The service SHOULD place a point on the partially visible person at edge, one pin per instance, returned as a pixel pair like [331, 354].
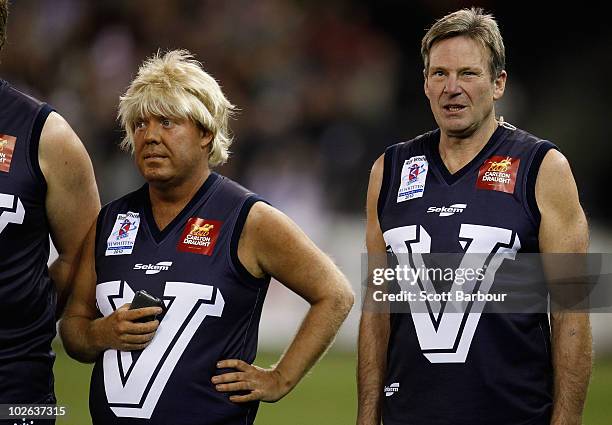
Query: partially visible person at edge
[515, 193]
[47, 187]
[207, 247]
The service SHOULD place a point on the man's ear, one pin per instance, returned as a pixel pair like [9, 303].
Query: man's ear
[500, 85]
[206, 137]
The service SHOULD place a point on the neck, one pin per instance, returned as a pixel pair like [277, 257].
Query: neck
[457, 152]
[168, 200]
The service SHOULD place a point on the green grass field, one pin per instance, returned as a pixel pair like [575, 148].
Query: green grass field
[326, 396]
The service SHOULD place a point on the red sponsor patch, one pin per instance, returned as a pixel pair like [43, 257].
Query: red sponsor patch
[7, 147]
[199, 236]
[498, 173]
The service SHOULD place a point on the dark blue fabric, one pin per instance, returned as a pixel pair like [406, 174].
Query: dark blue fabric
[188, 397]
[506, 378]
[27, 295]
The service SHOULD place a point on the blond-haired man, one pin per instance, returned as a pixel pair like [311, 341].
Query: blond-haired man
[207, 248]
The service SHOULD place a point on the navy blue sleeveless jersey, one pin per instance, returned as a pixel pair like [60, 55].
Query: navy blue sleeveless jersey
[468, 366]
[27, 295]
[213, 308]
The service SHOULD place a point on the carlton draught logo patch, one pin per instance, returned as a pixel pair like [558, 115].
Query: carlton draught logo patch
[200, 236]
[498, 173]
[7, 147]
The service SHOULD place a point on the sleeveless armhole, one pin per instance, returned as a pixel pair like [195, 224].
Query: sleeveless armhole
[532, 175]
[243, 273]
[37, 128]
[386, 180]
[99, 222]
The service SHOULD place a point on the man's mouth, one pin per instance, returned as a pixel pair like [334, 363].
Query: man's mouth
[154, 156]
[454, 107]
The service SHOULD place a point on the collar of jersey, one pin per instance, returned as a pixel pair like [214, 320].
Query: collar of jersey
[433, 143]
[159, 235]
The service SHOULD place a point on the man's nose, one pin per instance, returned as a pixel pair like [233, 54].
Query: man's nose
[452, 85]
[152, 132]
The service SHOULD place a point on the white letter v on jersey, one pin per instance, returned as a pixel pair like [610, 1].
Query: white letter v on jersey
[126, 383]
[449, 343]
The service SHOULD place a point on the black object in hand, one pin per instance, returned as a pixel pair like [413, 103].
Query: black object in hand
[144, 299]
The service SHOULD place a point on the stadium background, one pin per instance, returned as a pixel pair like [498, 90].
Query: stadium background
[323, 87]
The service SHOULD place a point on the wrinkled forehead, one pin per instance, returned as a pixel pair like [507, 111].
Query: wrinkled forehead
[459, 52]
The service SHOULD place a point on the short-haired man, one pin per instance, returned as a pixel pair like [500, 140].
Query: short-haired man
[207, 248]
[47, 187]
[510, 192]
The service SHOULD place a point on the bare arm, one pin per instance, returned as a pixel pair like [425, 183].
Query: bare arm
[374, 325]
[563, 229]
[272, 244]
[84, 333]
[72, 198]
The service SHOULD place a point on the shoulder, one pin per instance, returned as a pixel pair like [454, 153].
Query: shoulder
[376, 178]
[415, 144]
[231, 190]
[526, 141]
[61, 151]
[554, 175]
[267, 229]
[267, 235]
[129, 205]
[378, 168]
[547, 163]
[229, 184]
[56, 127]
[13, 98]
[556, 192]
[72, 200]
[381, 174]
[564, 227]
[555, 161]
[414, 147]
[57, 133]
[130, 201]
[263, 218]
[523, 136]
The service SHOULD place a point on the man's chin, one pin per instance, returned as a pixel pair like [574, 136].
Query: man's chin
[460, 131]
[155, 177]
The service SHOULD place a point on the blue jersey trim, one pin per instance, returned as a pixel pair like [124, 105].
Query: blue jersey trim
[532, 176]
[159, 235]
[37, 128]
[386, 180]
[433, 144]
[235, 239]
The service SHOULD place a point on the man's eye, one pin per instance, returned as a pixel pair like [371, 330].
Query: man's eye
[139, 124]
[166, 122]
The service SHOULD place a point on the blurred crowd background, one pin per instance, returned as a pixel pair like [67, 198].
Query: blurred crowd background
[322, 87]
